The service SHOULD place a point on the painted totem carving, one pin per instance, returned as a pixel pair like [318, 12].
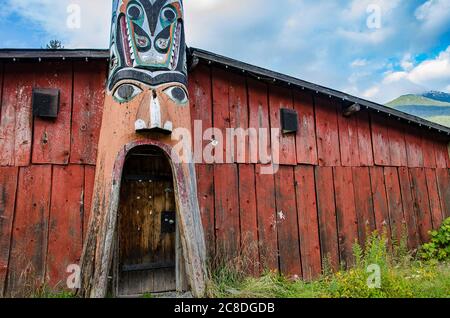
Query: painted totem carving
[146, 100]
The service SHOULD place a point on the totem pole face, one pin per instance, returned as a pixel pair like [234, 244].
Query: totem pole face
[148, 63]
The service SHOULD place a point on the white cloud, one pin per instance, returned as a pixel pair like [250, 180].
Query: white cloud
[432, 74]
[359, 63]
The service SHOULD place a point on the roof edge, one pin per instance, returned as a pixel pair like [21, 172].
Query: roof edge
[232, 64]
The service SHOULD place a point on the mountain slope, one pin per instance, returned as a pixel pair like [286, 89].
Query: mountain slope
[433, 106]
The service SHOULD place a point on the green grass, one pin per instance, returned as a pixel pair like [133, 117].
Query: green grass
[415, 100]
[442, 120]
[402, 276]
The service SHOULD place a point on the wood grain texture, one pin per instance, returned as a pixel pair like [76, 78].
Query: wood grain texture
[363, 203]
[221, 112]
[308, 222]
[89, 179]
[349, 141]
[259, 118]
[267, 225]
[327, 216]
[286, 154]
[437, 213]
[66, 223]
[51, 138]
[327, 132]
[380, 139]
[397, 145]
[249, 218]
[380, 204]
[88, 100]
[306, 144]
[200, 97]
[395, 204]
[364, 139]
[346, 214]
[408, 207]
[414, 148]
[429, 155]
[205, 188]
[288, 240]
[239, 119]
[16, 116]
[30, 230]
[441, 152]
[443, 179]
[421, 203]
[8, 187]
[227, 210]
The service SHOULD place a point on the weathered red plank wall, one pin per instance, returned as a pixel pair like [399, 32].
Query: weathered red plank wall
[46, 171]
[339, 178]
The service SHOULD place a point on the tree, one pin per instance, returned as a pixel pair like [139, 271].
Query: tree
[54, 45]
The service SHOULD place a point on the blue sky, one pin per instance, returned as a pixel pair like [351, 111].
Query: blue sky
[375, 49]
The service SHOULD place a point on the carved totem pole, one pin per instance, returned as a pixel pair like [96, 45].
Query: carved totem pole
[146, 101]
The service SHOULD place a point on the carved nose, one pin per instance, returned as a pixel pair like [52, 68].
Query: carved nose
[151, 117]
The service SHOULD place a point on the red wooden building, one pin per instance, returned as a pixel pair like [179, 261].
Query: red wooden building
[339, 175]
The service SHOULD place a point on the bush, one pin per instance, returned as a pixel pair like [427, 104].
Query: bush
[439, 247]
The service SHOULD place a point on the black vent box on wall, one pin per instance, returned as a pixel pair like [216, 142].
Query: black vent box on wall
[45, 102]
[289, 121]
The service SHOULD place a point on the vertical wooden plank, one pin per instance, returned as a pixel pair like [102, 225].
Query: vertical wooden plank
[88, 100]
[281, 98]
[364, 139]
[2, 68]
[394, 198]
[8, 187]
[421, 203]
[30, 230]
[66, 223]
[380, 205]
[443, 179]
[51, 142]
[89, 179]
[267, 223]
[227, 211]
[348, 140]
[414, 148]
[380, 139]
[205, 185]
[239, 117]
[327, 216]
[248, 218]
[437, 213]
[429, 156]
[397, 145]
[200, 96]
[221, 110]
[16, 116]
[308, 222]
[288, 240]
[363, 203]
[346, 213]
[306, 144]
[327, 132]
[258, 119]
[441, 153]
[408, 207]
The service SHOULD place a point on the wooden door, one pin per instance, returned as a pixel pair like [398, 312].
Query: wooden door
[147, 226]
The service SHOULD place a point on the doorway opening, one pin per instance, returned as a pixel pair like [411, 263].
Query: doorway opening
[148, 256]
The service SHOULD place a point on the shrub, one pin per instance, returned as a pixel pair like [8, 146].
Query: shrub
[439, 247]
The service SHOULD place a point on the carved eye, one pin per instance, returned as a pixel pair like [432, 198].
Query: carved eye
[134, 12]
[169, 15]
[126, 92]
[177, 94]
